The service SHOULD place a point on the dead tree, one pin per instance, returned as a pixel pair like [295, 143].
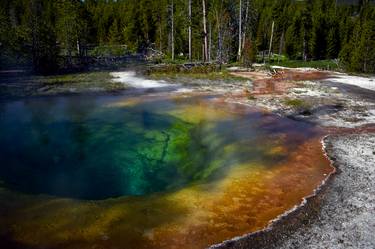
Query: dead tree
[240, 33]
[205, 49]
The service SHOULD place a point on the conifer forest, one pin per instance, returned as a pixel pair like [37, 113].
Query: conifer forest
[47, 35]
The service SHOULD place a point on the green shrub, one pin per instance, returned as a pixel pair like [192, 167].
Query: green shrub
[296, 103]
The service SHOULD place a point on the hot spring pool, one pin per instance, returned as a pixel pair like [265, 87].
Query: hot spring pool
[148, 172]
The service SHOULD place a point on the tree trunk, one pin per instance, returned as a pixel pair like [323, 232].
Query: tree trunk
[240, 33]
[270, 49]
[172, 32]
[219, 40]
[12, 16]
[304, 47]
[281, 45]
[365, 59]
[190, 48]
[209, 41]
[220, 35]
[245, 27]
[34, 20]
[160, 35]
[205, 56]
[79, 48]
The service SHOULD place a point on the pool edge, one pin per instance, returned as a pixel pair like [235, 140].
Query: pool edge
[291, 220]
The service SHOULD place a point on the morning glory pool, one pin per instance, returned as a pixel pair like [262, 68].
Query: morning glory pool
[148, 171]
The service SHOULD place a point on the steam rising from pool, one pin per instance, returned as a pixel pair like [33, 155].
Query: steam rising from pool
[130, 79]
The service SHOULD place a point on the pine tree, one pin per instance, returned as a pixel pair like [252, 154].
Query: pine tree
[333, 35]
[69, 25]
[43, 38]
[364, 53]
[114, 33]
[359, 53]
[3, 36]
[318, 42]
[294, 38]
[34, 30]
[333, 43]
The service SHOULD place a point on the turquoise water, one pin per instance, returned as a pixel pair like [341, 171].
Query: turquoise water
[92, 148]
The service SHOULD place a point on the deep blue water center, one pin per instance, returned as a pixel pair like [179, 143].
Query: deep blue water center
[84, 147]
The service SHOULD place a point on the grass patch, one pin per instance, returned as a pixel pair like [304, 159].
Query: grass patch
[296, 103]
[251, 97]
[31, 85]
[208, 72]
[214, 76]
[89, 77]
[183, 68]
[82, 82]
